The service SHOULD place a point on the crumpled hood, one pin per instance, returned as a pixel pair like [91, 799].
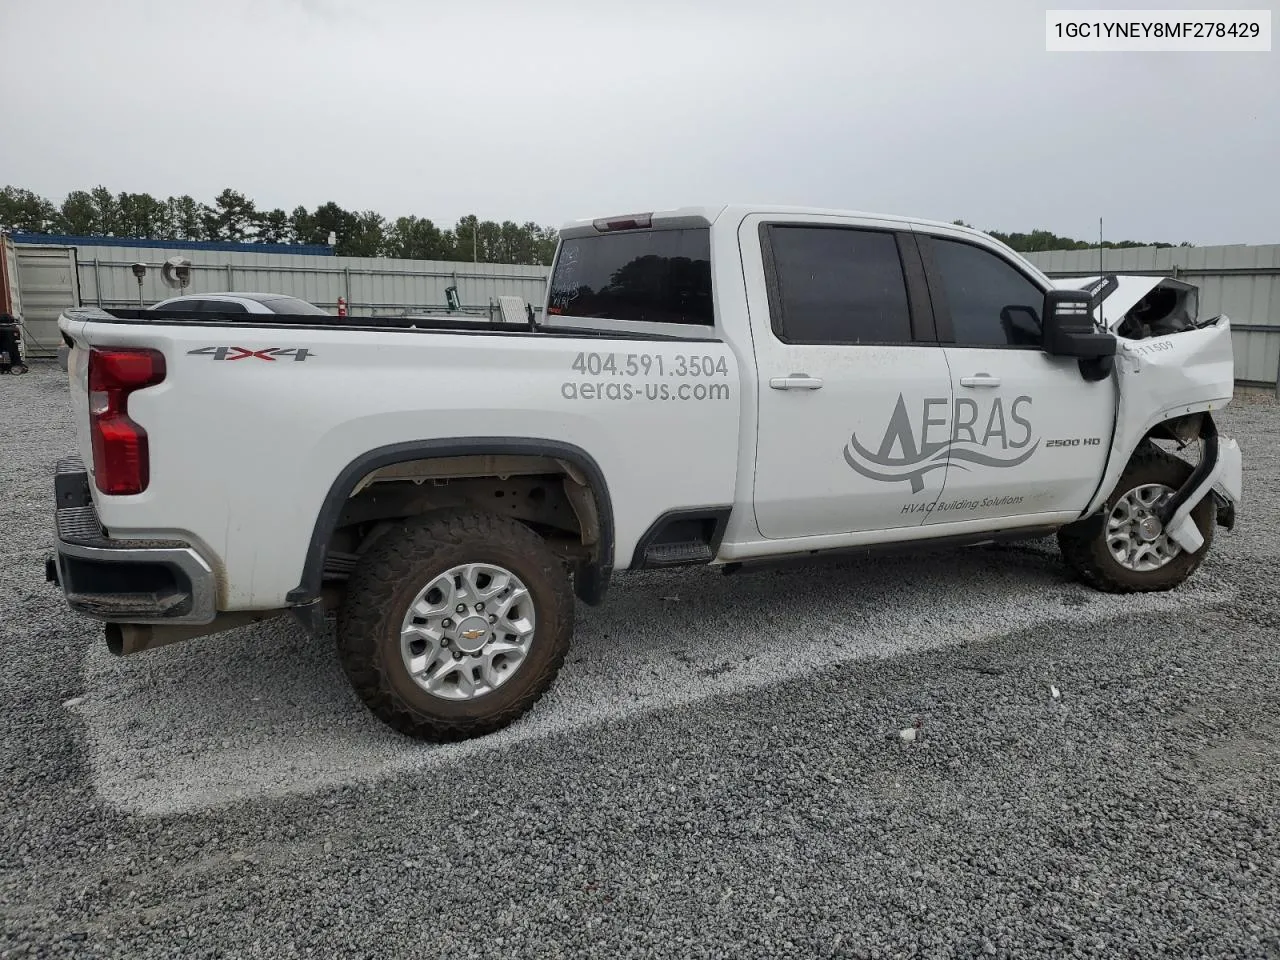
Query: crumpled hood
[1131, 289]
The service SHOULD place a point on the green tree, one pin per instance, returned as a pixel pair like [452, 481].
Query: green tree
[106, 212]
[466, 239]
[26, 211]
[545, 240]
[328, 218]
[366, 236]
[274, 226]
[142, 215]
[301, 223]
[1038, 241]
[416, 238]
[185, 218]
[78, 215]
[232, 217]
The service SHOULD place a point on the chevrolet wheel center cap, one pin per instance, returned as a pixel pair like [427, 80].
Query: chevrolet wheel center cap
[1149, 529]
[472, 634]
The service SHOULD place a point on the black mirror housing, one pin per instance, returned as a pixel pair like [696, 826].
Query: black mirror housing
[1069, 329]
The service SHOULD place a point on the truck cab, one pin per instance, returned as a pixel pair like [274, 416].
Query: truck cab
[896, 380]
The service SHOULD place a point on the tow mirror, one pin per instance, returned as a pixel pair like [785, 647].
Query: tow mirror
[1069, 330]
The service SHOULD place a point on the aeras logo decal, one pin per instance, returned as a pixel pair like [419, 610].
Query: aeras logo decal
[244, 353]
[962, 435]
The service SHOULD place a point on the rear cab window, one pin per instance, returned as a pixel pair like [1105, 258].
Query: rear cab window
[645, 276]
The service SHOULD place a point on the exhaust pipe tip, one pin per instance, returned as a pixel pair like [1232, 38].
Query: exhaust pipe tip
[126, 638]
[115, 639]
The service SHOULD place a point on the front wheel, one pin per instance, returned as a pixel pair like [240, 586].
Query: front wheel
[455, 625]
[1130, 551]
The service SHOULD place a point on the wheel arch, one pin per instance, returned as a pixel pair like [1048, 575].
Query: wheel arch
[1184, 423]
[592, 576]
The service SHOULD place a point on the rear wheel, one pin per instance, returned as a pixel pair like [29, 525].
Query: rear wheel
[454, 626]
[1130, 551]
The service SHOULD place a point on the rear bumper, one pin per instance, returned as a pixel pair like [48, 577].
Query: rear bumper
[123, 581]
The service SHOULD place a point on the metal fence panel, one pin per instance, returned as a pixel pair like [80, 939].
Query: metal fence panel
[1257, 354]
[371, 285]
[47, 284]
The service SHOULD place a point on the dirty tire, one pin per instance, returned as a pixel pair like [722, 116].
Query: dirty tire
[1084, 544]
[397, 567]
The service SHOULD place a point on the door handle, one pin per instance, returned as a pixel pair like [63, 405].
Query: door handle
[980, 380]
[797, 381]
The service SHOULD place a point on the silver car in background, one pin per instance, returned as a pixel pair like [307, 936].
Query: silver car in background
[227, 303]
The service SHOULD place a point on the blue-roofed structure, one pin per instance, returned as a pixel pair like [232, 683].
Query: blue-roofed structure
[220, 246]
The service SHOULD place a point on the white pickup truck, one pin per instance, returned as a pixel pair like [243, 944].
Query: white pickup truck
[706, 386]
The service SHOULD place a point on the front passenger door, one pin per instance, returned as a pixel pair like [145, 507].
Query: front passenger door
[1030, 434]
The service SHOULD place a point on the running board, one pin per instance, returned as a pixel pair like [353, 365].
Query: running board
[675, 554]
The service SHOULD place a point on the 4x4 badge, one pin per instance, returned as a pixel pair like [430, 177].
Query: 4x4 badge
[244, 353]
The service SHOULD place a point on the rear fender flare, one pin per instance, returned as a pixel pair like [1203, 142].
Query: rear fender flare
[592, 576]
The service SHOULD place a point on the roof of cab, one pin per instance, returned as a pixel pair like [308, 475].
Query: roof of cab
[735, 211]
[703, 216]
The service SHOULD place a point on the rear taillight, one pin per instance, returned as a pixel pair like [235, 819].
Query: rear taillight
[121, 464]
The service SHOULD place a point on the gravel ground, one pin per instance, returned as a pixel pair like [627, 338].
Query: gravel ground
[687, 790]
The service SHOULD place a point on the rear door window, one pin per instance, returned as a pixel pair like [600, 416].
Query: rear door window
[648, 276]
[837, 285]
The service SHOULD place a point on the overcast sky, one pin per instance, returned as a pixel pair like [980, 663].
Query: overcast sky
[548, 110]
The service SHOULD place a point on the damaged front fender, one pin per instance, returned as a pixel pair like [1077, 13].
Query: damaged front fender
[1220, 472]
[1164, 382]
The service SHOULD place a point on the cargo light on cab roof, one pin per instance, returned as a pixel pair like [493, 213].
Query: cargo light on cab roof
[635, 221]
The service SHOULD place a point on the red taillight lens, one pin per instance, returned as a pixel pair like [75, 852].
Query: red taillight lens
[121, 464]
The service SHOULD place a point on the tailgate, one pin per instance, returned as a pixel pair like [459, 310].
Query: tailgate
[73, 326]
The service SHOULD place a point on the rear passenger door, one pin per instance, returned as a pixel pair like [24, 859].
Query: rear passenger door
[1030, 434]
[852, 388]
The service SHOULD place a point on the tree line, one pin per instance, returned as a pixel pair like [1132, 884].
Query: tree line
[1038, 241]
[233, 216]
[359, 233]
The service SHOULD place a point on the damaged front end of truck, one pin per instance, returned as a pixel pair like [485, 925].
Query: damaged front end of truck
[1173, 371]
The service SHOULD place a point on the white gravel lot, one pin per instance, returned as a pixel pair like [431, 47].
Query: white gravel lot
[714, 775]
[266, 710]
